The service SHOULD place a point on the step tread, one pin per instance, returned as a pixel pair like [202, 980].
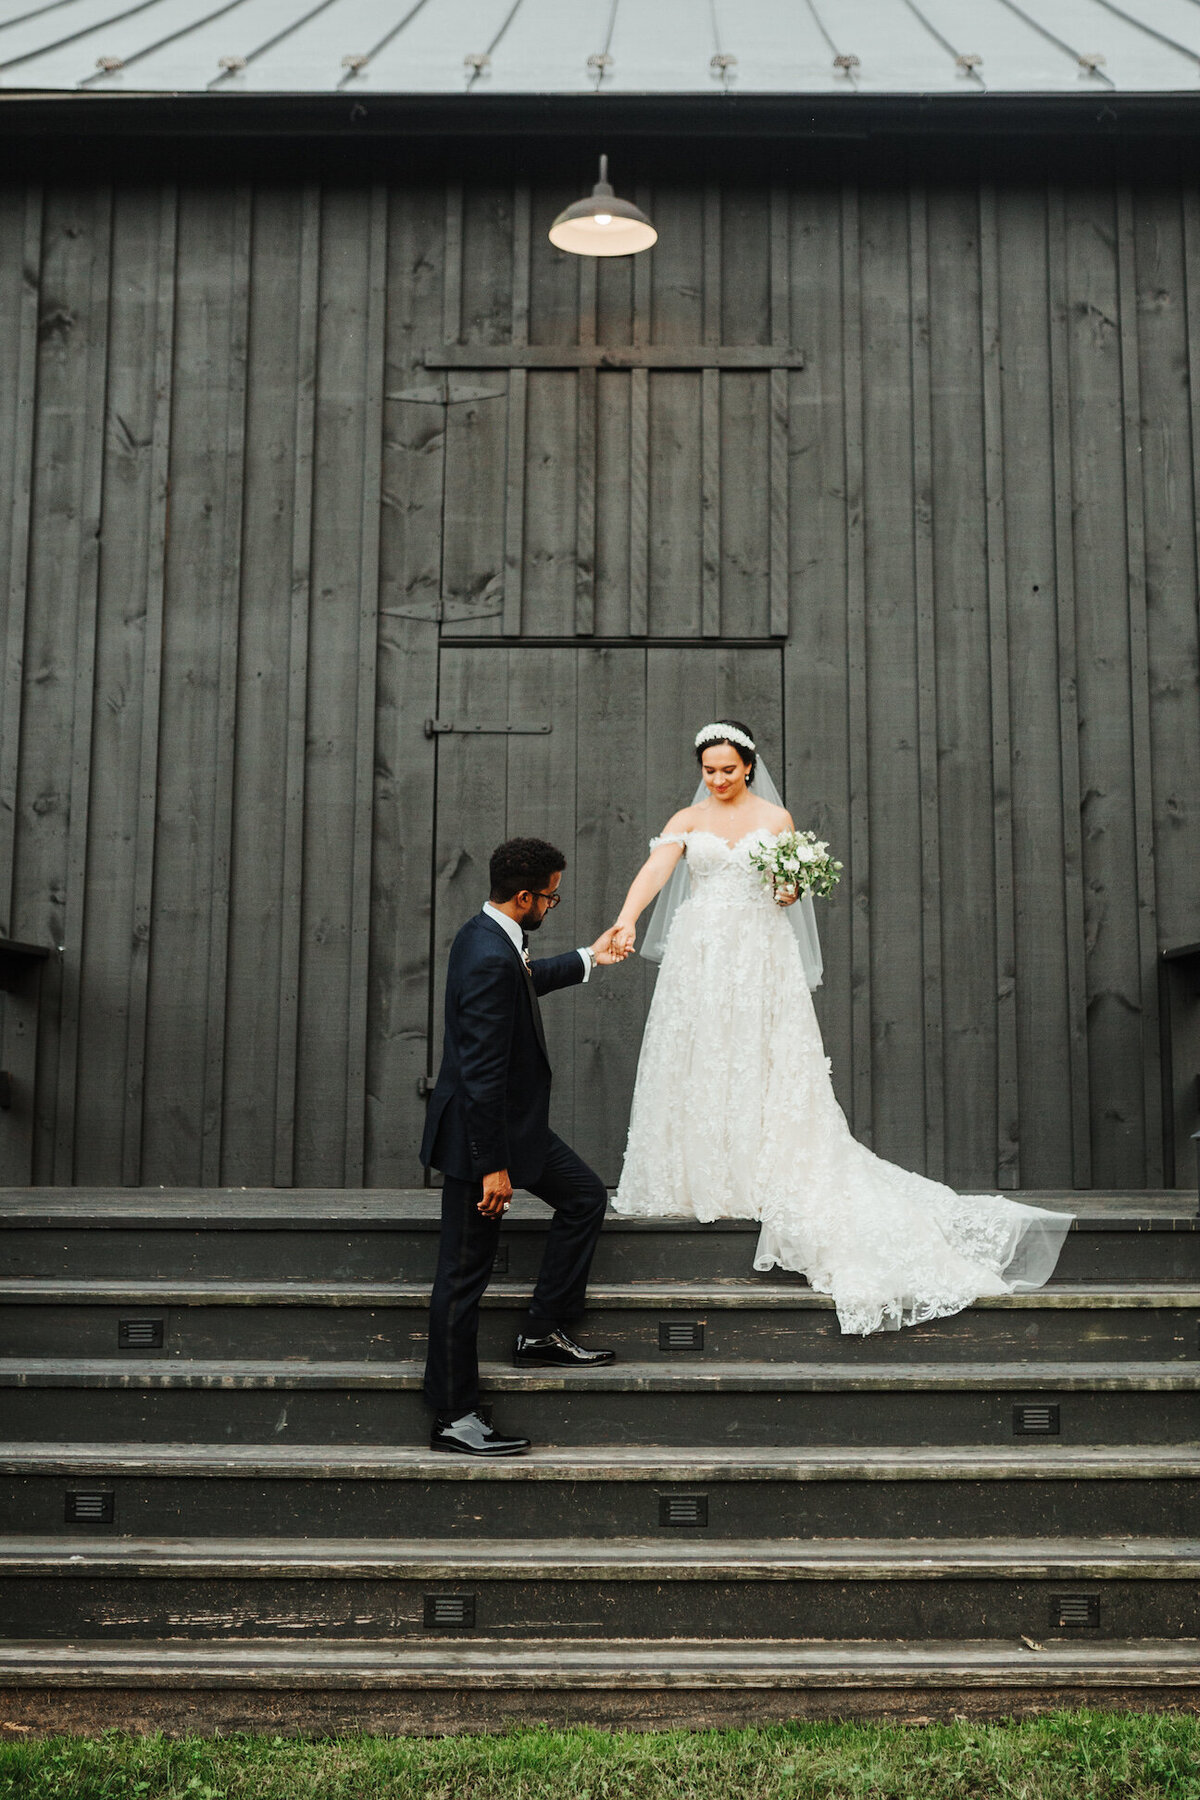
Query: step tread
[613, 1559]
[300, 1208]
[533, 1663]
[732, 1293]
[625, 1377]
[604, 1462]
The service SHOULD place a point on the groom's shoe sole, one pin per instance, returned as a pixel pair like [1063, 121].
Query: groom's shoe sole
[562, 1359]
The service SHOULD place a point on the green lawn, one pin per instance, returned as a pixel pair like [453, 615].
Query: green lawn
[1070, 1756]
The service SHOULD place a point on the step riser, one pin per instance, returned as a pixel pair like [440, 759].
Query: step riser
[388, 1334]
[590, 1416]
[86, 1606]
[409, 1253]
[196, 1507]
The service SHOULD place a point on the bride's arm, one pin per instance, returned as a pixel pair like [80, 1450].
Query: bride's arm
[650, 878]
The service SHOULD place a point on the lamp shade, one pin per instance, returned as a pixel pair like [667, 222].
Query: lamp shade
[602, 225]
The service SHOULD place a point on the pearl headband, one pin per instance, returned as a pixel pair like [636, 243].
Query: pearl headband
[723, 734]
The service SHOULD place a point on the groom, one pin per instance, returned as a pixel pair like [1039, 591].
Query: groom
[488, 1129]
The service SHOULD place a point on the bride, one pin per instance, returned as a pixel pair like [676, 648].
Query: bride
[734, 1114]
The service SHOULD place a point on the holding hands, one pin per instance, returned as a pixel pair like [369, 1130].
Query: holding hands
[609, 947]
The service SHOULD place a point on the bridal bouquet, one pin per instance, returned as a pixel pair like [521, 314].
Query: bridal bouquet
[796, 862]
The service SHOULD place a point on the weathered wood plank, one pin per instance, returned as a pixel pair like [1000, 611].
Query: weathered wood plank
[208, 377]
[23, 335]
[154, 598]
[303, 441]
[257, 907]
[710, 420]
[779, 400]
[1098, 494]
[212, 1113]
[1168, 226]
[816, 674]
[410, 580]
[372, 377]
[639, 502]
[927, 698]
[693, 356]
[1064, 584]
[894, 717]
[337, 649]
[514, 478]
[1039, 891]
[1008, 1121]
[472, 799]
[475, 505]
[134, 485]
[59, 596]
[858, 860]
[677, 529]
[642, 326]
[611, 843]
[86, 597]
[1139, 692]
[585, 461]
[540, 801]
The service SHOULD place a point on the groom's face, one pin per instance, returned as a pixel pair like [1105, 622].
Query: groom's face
[539, 904]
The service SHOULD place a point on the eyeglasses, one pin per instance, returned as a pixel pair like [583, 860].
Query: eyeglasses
[552, 900]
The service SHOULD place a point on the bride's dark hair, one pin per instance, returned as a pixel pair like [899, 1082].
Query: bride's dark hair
[749, 757]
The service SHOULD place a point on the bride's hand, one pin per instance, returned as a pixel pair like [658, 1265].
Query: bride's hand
[607, 950]
[624, 937]
[787, 896]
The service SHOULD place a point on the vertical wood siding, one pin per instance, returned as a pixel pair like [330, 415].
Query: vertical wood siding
[947, 569]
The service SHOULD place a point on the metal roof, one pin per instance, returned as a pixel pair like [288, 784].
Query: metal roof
[565, 47]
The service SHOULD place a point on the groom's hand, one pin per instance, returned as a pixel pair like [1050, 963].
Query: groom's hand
[497, 1193]
[607, 949]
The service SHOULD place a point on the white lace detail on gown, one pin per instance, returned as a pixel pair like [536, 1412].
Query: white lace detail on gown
[734, 1116]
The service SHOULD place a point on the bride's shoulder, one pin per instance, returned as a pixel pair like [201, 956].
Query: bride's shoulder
[778, 819]
[680, 823]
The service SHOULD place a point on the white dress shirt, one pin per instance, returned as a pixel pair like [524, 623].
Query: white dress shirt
[513, 931]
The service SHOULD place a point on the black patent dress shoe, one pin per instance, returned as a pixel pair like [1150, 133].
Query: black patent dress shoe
[557, 1351]
[472, 1436]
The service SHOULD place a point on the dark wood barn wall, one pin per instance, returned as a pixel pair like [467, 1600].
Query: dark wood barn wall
[947, 568]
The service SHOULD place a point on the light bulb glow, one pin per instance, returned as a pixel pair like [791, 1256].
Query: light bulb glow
[604, 218]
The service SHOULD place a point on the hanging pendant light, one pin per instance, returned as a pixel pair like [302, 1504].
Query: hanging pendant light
[602, 225]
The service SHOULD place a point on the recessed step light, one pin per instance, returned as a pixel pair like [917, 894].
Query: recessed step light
[1075, 1609]
[449, 1612]
[681, 1334]
[1036, 1421]
[683, 1509]
[89, 1506]
[140, 1334]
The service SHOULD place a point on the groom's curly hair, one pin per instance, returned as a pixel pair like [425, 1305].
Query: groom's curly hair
[522, 863]
[749, 757]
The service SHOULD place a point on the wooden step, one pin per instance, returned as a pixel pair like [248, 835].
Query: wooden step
[276, 1490]
[647, 1321]
[91, 1588]
[438, 1686]
[245, 1234]
[181, 1401]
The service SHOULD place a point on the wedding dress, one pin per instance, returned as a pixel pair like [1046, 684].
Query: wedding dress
[734, 1117]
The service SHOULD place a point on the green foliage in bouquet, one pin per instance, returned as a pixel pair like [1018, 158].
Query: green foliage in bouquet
[796, 862]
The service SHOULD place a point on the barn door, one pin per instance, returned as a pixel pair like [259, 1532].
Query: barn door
[590, 748]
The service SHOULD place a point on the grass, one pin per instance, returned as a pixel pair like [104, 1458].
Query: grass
[1063, 1756]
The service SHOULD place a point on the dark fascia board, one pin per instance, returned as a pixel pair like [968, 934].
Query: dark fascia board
[967, 134]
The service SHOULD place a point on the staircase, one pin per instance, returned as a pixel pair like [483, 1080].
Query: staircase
[219, 1511]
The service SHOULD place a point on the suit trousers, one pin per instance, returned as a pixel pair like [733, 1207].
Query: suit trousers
[465, 1256]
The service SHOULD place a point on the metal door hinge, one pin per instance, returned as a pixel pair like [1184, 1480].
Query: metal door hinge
[437, 728]
[425, 1085]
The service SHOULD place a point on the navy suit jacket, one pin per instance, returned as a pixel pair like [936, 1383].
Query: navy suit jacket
[490, 1108]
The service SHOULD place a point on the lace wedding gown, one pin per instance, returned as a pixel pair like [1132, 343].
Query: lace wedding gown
[734, 1117]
